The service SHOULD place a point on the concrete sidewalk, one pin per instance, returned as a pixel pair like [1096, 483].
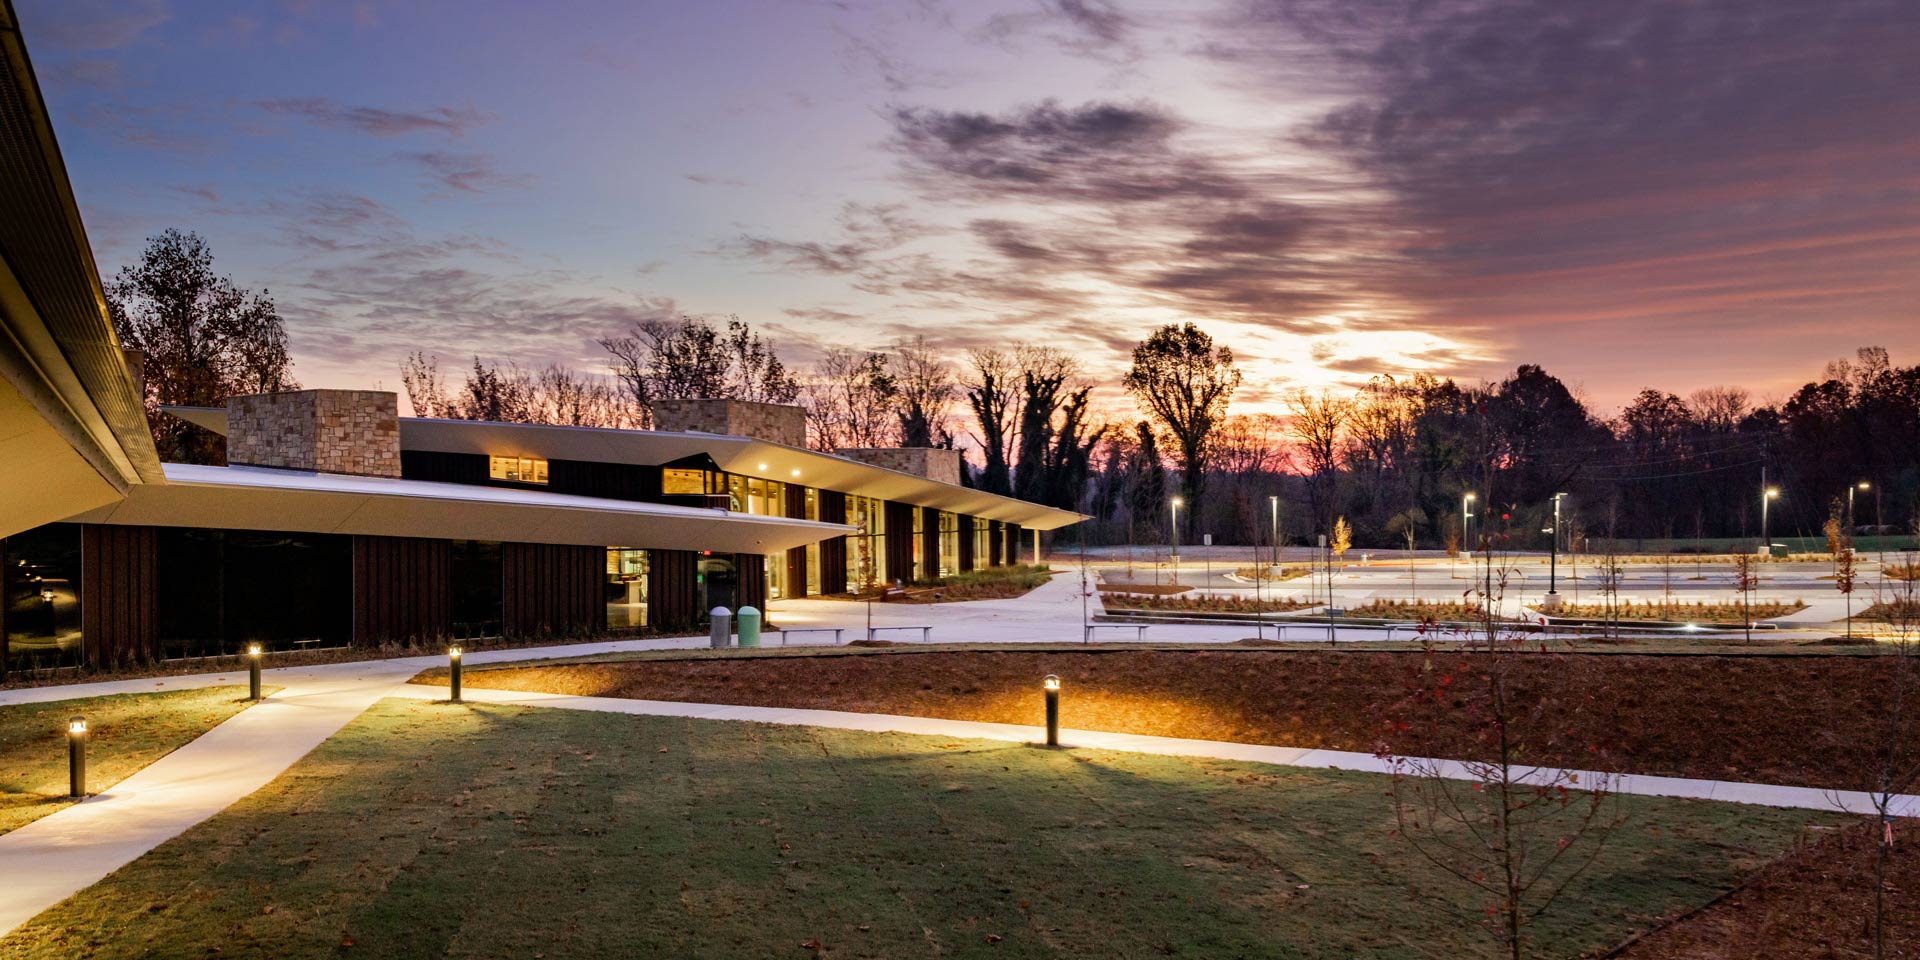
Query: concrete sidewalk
[58, 855]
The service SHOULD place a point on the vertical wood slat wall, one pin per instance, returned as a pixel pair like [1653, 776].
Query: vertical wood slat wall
[751, 569]
[929, 543]
[673, 595]
[119, 587]
[400, 590]
[796, 559]
[553, 589]
[965, 561]
[833, 553]
[899, 541]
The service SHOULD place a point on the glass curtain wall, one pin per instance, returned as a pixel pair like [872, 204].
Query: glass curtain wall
[920, 571]
[866, 546]
[766, 498]
[223, 589]
[982, 543]
[626, 588]
[813, 549]
[42, 597]
[949, 543]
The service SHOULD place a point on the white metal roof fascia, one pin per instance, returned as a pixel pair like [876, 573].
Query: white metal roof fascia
[742, 455]
[253, 498]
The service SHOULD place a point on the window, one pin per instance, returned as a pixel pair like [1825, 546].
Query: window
[675, 482]
[626, 588]
[517, 469]
[866, 547]
[949, 543]
[42, 596]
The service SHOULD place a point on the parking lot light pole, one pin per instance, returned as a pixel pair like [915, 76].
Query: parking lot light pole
[1466, 513]
[1767, 497]
[1273, 505]
[1553, 548]
[1175, 556]
[1862, 485]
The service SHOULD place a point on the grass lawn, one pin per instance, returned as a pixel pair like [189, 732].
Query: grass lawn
[129, 731]
[428, 830]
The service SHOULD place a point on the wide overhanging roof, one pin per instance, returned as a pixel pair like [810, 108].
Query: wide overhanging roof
[73, 433]
[259, 498]
[741, 455]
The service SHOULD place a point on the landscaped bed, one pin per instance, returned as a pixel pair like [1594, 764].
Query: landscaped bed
[1200, 604]
[127, 732]
[486, 831]
[1438, 611]
[1798, 720]
[1699, 611]
[993, 583]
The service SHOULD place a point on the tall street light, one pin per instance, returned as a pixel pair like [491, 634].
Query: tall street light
[1466, 513]
[1862, 485]
[1767, 497]
[1553, 550]
[1273, 503]
[1175, 503]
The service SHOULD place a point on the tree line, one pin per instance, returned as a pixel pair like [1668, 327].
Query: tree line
[1393, 461]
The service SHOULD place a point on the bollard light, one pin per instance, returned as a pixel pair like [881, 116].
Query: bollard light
[77, 757]
[1052, 686]
[453, 671]
[253, 671]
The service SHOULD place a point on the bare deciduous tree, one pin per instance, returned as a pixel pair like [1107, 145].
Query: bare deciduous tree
[204, 338]
[1184, 382]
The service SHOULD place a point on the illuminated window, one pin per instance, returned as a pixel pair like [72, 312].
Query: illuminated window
[684, 483]
[517, 469]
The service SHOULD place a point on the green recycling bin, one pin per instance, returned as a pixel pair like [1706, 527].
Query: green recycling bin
[747, 622]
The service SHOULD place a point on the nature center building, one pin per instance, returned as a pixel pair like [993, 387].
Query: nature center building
[338, 522]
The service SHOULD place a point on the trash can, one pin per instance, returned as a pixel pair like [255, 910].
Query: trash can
[722, 635]
[749, 626]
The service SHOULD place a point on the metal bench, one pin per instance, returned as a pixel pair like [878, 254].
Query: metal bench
[1139, 630]
[926, 633]
[836, 631]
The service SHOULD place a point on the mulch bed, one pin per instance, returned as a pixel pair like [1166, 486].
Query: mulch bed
[1804, 721]
[1814, 902]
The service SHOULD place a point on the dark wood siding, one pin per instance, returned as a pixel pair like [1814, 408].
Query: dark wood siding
[613, 481]
[796, 559]
[752, 571]
[929, 544]
[554, 589]
[119, 589]
[443, 467]
[400, 590]
[833, 553]
[966, 542]
[899, 540]
[673, 591]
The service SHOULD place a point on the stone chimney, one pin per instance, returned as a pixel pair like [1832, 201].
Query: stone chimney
[933, 463]
[354, 432]
[772, 422]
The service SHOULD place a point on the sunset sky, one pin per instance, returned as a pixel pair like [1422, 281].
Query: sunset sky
[1632, 193]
